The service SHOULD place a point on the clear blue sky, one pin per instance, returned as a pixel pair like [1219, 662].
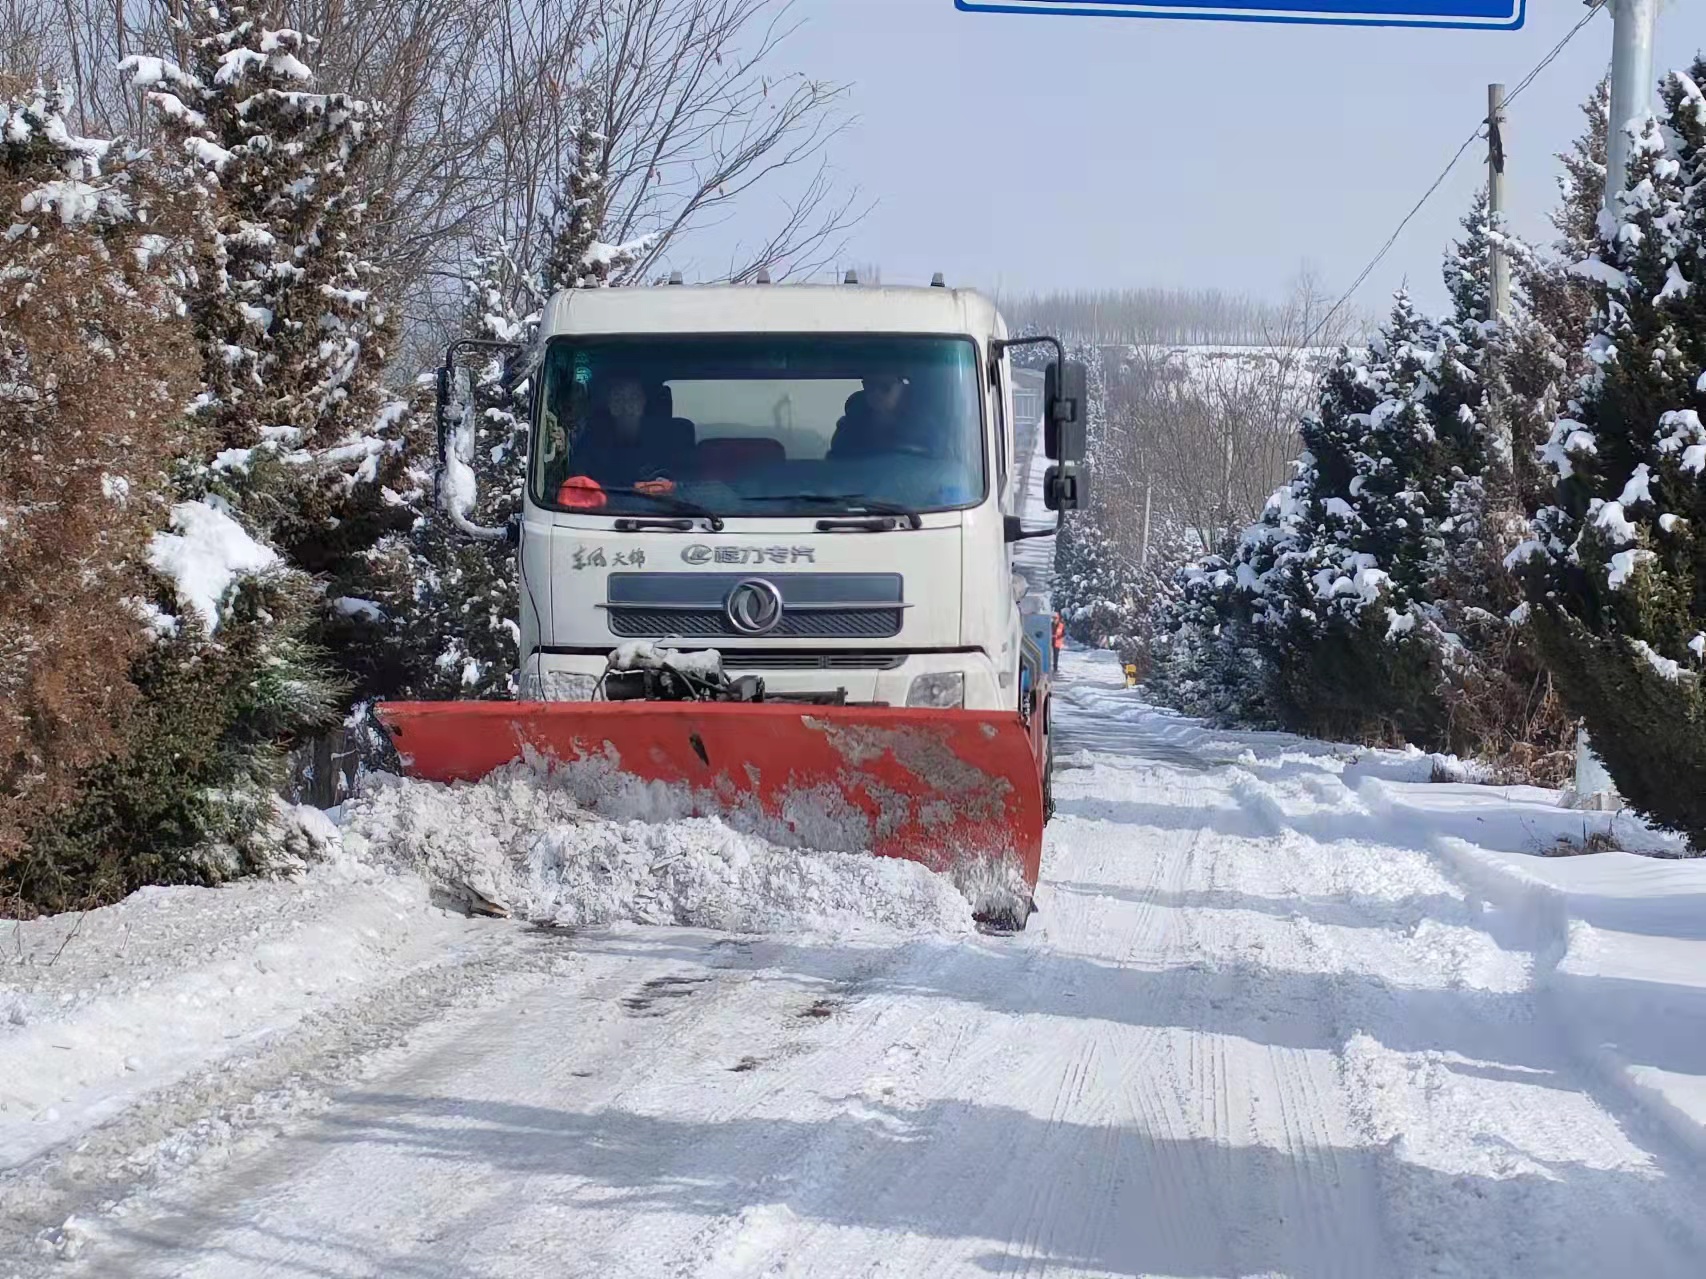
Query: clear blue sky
[1033, 152]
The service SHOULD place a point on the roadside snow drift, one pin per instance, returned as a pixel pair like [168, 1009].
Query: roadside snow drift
[519, 844]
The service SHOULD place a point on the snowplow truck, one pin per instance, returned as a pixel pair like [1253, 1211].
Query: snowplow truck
[765, 554]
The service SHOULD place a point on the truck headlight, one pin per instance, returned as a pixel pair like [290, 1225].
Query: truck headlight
[941, 689]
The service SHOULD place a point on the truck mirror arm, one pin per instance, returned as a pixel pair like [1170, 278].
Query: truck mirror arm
[1013, 529]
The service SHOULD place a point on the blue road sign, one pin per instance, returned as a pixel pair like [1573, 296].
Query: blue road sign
[1497, 15]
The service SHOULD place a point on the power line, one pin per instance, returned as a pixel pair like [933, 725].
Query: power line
[1471, 140]
[1550, 58]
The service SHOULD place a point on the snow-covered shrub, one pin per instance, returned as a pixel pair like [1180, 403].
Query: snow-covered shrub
[1204, 658]
[1616, 570]
[191, 796]
[94, 371]
[147, 671]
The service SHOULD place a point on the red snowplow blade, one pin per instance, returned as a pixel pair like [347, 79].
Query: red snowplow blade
[933, 786]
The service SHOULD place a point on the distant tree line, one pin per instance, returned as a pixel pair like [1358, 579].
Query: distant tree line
[1147, 317]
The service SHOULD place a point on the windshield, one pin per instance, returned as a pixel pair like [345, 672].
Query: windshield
[760, 425]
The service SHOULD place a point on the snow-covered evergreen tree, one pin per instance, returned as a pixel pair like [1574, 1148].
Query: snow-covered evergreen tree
[1544, 354]
[1095, 584]
[576, 257]
[1497, 691]
[1204, 659]
[294, 337]
[1616, 573]
[1339, 570]
[1338, 585]
[94, 370]
[1095, 590]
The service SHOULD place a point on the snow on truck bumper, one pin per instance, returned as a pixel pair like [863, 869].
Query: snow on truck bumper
[948, 680]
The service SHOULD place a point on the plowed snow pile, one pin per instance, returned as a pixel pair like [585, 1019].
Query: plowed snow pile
[518, 842]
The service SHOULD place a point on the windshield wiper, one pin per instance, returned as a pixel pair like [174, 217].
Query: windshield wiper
[853, 501]
[672, 503]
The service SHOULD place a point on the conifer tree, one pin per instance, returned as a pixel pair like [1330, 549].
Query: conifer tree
[1338, 585]
[1544, 354]
[294, 336]
[577, 258]
[1091, 589]
[1616, 573]
[94, 371]
[1496, 689]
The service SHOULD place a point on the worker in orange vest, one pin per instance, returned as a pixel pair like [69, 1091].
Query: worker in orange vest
[1059, 637]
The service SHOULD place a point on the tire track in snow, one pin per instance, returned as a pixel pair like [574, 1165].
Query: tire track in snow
[240, 1104]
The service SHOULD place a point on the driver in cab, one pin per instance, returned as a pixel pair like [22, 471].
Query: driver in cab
[613, 450]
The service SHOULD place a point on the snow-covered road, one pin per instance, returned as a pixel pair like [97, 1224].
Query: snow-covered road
[1256, 1029]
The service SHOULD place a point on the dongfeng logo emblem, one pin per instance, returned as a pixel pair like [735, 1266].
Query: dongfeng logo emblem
[754, 606]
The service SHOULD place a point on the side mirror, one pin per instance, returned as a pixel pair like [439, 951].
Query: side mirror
[454, 482]
[1065, 411]
[1065, 487]
[450, 381]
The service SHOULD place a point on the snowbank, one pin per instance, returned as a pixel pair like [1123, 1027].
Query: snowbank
[518, 843]
[1619, 938]
[1620, 941]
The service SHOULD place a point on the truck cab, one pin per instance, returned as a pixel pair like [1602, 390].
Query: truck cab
[817, 482]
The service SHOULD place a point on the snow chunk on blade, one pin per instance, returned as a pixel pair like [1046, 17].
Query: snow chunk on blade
[517, 843]
[957, 791]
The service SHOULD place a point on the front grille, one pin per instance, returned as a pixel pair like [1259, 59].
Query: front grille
[806, 660]
[631, 622]
[814, 605]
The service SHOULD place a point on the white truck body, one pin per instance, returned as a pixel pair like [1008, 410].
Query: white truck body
[957, 609]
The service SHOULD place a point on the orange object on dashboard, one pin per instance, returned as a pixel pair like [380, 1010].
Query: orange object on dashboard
[581, 493]
[654, 486]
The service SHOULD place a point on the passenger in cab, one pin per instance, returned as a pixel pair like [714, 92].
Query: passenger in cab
[616, 447]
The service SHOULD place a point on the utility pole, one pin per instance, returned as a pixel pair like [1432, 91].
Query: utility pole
[1633, 23]
[1633, 26]
[1500, 265]
[1226, 483]
[1143, 550]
